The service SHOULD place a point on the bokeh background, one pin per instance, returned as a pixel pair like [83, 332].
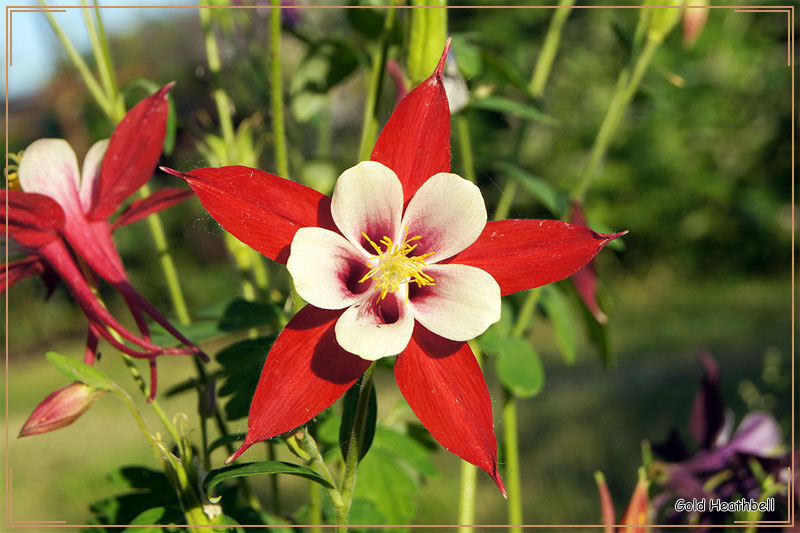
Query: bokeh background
[699, 172]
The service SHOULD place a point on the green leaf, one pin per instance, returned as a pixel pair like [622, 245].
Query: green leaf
[325, 65]
[216, 477]
[382, 481]
[149, 517]
[242, 362]
[552, 199]
[502, 104]
[80, 371]
[350, 404]
[557, 308]
[468, 56]
[148, 489]
[520, 368]
[407, 449]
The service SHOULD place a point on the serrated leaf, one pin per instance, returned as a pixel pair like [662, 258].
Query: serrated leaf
[407, 449]
[502, 104]
[519, 368]
[350, 405]
[216, 477]
[80, 371]
[558, 311]
[552, 199]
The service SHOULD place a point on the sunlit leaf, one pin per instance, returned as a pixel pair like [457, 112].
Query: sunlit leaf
[519, 368]
[216, 477]
[80, 371]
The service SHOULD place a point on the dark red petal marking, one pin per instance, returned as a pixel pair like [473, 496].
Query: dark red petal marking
[444, 386]
[260, 209]
[523, 254]
[32, 219]
[157, 201]
[415, 142]
[305, 372]
[132, 154]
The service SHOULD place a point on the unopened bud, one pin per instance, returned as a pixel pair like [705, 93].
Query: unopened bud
[61, 408]
[694, 20]
[428, 35]
[662, 19]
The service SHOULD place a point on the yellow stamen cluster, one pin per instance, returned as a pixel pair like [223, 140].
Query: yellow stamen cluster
[13, 181]
[395, 267]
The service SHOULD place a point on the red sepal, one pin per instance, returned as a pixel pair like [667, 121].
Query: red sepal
[523, 254]
[32, 219]
[132, 154]
[12, 272]
[157, 201]
[260, 209]
[444, 386]
[606, 504]
[305, 372]
[415, 143]
[585, 279]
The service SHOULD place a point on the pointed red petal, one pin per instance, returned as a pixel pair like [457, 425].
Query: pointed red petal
[444, 386]
[523, 254]
[260, 209]
[32, 219]
[12, 272]
[305, 372]
[157, 201]
[132, 154]
[415, 142]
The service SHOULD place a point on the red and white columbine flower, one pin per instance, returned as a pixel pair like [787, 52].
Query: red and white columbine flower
[383, 266]
[400, 261]
[62, 210]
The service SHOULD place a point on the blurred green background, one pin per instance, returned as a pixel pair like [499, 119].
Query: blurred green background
[699, 172]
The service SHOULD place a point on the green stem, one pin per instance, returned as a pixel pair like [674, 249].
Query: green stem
[369, 128]
[315, 504]
[353, 447]
[80, 64]
[616, 110]
[276, 495]
[468, 480]
[309, 445]
[513, 482]
[167, 263]
[549, 49]
[218, 93]
[278, 127]
[506, 199]
[465, 144]
[137, 377]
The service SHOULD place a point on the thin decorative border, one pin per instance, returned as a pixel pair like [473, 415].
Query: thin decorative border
[789, 10]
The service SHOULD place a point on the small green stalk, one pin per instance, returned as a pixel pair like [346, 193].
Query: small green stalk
[220, 97]
[468, 480]
[510, 434]
[369, 128]
[465, 145]
[626, 88]
[278, 128]
[353, 447]
[549, 49]
[89, 79]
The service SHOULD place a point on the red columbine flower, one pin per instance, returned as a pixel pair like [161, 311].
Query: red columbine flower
[60, 208]
[400, 261]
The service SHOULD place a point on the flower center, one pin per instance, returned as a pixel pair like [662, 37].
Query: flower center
[392, 266]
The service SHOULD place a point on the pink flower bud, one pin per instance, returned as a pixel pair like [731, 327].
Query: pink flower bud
[61, 408]
[694, 20]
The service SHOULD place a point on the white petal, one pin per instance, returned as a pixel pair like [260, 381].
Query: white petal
[462, 302]
[448, 212]
[326, 269]
[90, 172]
[372, 329]
[49, 167]
[368, 198]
